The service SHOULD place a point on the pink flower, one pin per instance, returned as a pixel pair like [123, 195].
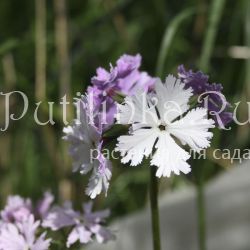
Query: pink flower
[16, 209]
[22, 235]
[85, 226]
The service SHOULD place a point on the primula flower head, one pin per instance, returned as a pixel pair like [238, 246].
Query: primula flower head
[158, 120]
[17, 209]
[96, 112]
[85, 141]
[125, 78]
[84, 226]
[22, 235]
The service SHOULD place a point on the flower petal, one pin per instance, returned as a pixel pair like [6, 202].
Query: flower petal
[137, 109]
[137, 145]
[172, 98]
[169, 157]
[193, 129]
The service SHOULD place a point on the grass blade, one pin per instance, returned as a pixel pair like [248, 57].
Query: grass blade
[168, 38]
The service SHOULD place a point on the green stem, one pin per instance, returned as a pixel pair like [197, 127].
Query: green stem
[154, 209]
[215, 15]
[168, 38]
[201, 214]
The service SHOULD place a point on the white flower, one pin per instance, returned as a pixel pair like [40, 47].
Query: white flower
[99, 181]
[85, 149]
[160, 124]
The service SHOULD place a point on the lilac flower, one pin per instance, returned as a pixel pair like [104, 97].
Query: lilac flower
[124, 78]
[94, 220]
[22, 235]
[125, 65]
[211, 94]
[44, 204]
[66, 217]
[60, 217]
[84, 226]
[96, 113]
[79, 233]
[85, 147]
[16, 209]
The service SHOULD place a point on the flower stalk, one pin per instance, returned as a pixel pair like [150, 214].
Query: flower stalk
[201, 214]
[154, 209]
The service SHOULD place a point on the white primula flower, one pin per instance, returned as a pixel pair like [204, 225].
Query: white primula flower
[85, 148]
[160, 124]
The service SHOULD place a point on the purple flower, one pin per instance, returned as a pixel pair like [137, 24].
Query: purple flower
[44, 204]
[22, 235]
[127, 64]
[101, 233]
[79, 233]
[210, 95]
[60, 217]
[96, 112]
[17, 209]
[84, 225]
[124, 78]
[94, 217]
[94, 220]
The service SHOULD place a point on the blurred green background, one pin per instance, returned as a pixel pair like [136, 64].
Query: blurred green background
[52, 48]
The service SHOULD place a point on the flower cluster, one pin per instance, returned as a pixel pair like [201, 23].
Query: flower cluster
[211, 95]
[85, 226]
[20, 222]
[163, 118]
[124, 78]
[85, 137]
[96, 113]
[23, 224]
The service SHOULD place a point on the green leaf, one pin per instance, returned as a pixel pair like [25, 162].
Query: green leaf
[7, 46]
[169, 36]
[209, 41]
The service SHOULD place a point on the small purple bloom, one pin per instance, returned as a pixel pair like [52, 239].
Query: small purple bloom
[84, 225]
[101, 233]
[79, 232]
[44, 204]
[126, 64]
[124, 78]
[210, 95]
[17, 209]
[94, 217]
[60, 217]
[22, 235]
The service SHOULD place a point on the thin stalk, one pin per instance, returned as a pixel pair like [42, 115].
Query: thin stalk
[247, 43]
[9, 71]
[215, 14]
[154, 209]
[168, 38]
[209, 40]
[40, 43]
[62, 46]
[201, 214]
